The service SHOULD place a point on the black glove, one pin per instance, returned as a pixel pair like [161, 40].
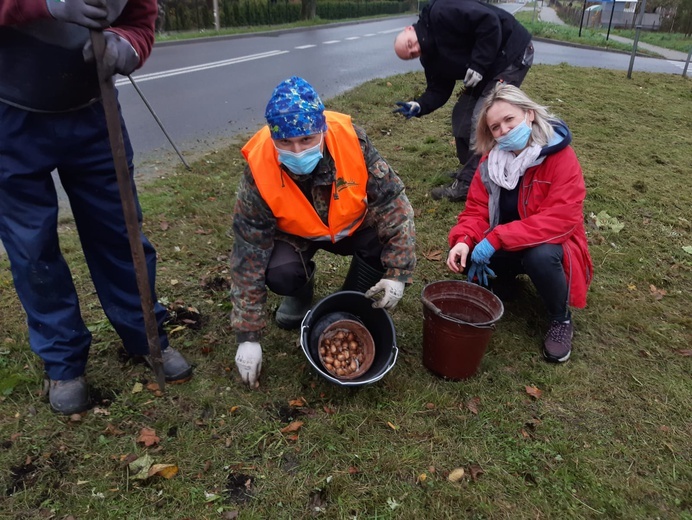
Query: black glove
[408, 110]
[92, 14]
[120, 57]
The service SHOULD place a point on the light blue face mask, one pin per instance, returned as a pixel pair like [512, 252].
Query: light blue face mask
[516, 139]
[301, 163]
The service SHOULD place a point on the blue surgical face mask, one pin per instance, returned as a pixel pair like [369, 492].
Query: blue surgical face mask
[301, 163]
[516, 139]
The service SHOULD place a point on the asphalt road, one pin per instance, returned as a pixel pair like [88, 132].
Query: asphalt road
[206, 92]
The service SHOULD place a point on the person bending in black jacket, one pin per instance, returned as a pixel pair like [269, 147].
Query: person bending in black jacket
[466, 40]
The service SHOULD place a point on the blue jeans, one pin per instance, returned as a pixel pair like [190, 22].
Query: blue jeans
[76, 143]
[543, 265]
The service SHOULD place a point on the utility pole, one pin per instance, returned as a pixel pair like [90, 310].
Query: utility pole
[581, 22]
[610, 23]
[636, 39]
[217, 25]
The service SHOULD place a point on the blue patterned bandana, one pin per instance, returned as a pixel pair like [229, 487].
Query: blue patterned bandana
[295, 110]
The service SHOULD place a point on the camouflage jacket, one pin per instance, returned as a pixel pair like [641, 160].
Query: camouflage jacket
[254, 230]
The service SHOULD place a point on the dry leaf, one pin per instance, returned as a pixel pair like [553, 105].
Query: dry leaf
[292, 438]
[658, 294]
[298, 403]
[163, 470]
[233, 409]
[137, 388]
[352, 470]
[392, 426]
[152, 387]
[476, 471]
[434, 255]
[422, 478]
[685, 352]
[430, 406]
[292, 427]
[534, 392]
[148, 437]
[163, 225]
[456, 475]
[112, 430]
[472, 405]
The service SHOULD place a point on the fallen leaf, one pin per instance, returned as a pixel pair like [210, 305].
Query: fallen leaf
[152, 387]
[392, 426]
[534, 392]
[684, 352]
[233, 409]
[163, 470]
[456, 475]
[112, 430]
[137, 388]
[298, 403]
[434, 255]
[687, 249]
[230, 515]
[292, 438]
[524, 433]
[472, 405]
[422, 478]
[603, 220]
[328, 410]
[430, 406]
[352, 470]
[148, 437]
[292, 427]
[163, 225]
[631, 287]
[101, 411]
[476, 471]
[139, 468]
[658, 294]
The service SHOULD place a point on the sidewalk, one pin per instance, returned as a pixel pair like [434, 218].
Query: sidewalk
[548, 14]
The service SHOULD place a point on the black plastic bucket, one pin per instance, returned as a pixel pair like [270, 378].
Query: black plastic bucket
[458, 321]
[350, 305]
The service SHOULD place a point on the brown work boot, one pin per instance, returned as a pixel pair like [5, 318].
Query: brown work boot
[456, 192]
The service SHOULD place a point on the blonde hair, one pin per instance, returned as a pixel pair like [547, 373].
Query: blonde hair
[541, 128]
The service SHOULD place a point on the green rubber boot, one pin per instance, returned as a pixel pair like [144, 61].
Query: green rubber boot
[361, 276]
[293, 309]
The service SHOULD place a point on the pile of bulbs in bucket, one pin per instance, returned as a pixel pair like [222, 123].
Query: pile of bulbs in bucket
[346, 349]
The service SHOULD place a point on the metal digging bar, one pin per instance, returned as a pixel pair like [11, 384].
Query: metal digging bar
[115, 135]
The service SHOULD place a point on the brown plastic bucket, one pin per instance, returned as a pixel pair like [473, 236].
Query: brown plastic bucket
[458, 320]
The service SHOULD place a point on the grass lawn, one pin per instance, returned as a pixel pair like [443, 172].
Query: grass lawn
[606, 435]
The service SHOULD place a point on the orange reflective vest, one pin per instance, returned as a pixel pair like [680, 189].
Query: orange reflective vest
[294, 213]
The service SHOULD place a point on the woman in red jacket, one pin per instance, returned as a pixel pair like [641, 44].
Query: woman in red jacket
[524, 212]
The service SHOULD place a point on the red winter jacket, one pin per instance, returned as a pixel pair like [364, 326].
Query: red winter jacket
[551, 198]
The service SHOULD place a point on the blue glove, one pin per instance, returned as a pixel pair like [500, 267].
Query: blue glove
[482, 252]
[408, 110]
[481, 271]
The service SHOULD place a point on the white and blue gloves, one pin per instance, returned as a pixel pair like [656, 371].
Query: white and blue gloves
[480, 258]
[407, 109]
[248, 361]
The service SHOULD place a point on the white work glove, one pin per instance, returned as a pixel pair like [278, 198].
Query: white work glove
[472, 78]
[248, 360]
[119, 57]
[392, 292]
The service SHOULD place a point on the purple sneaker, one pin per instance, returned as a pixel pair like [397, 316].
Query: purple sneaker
[558, 342]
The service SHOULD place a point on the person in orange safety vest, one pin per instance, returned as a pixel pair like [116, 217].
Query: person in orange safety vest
[313, 181]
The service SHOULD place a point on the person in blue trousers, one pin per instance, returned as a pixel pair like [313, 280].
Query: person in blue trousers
[51, 118]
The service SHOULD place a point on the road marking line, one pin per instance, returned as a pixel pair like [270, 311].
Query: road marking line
[331, 41]
[197, 68]
[391, 31]
[352, 38]
[368, 35]
[304, 46]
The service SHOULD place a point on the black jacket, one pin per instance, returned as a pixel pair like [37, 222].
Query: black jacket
[455, 35]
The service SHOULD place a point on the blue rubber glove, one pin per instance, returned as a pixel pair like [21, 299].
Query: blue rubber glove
[482, 252]
[481, 272]
[408, 110]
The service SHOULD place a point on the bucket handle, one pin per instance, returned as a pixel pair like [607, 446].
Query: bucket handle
[436, 310]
